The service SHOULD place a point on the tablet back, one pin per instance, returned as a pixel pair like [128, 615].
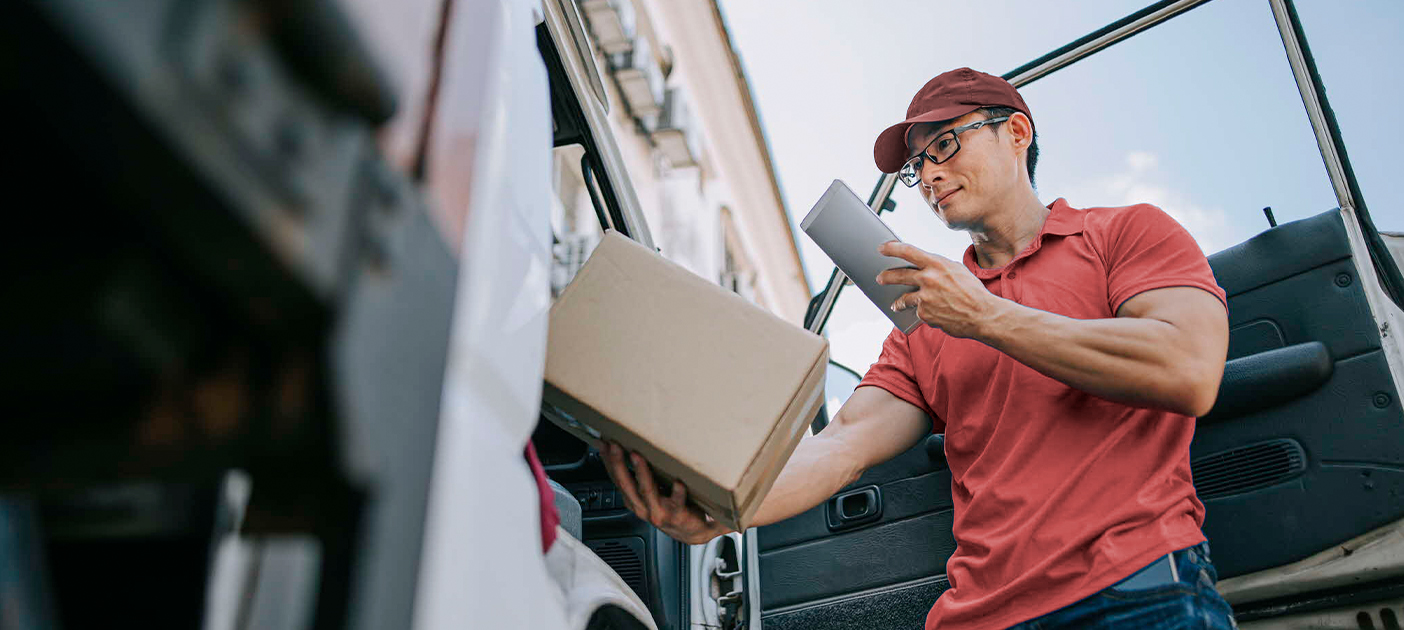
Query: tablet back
[850, 233]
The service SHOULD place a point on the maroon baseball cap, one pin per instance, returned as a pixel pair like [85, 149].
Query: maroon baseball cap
[950, 95]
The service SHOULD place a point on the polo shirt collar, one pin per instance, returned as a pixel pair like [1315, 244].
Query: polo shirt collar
[1063, 220]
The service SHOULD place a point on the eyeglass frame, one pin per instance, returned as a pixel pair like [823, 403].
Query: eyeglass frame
[955, 135]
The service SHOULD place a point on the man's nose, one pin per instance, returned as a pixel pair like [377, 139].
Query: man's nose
[931, 172]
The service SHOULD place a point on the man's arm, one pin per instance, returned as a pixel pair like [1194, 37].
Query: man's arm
[1165, 348]
[872, 427]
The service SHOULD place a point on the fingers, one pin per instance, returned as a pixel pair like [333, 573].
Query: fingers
[648, 488]
[671, 512]
[702, 527]
[921, 259]
[619, 473]
[640, 491]
[909, 300]
[928, 267]
[678, 499]
[909, 253]
[901, 275]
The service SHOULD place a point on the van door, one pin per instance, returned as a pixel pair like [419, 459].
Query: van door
[1301, 461]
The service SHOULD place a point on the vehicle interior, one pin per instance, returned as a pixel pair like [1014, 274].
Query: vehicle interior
[1300, 464]
[1281, 483]
[1302, 457]
[228, 264]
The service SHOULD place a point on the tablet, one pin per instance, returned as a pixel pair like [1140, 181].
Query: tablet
[850, 233]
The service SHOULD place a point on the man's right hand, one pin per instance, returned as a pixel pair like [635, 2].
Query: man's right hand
[672, 514]
[872, 427]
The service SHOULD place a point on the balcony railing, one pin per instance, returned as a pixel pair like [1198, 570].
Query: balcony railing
[640, 79]
[675, 135]
[612, 22]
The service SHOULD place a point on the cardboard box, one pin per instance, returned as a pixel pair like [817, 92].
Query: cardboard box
[709, 388]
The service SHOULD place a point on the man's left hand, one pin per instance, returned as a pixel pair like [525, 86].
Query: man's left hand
[947, 295]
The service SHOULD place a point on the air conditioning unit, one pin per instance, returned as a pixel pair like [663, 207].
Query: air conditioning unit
[676, 135]
[640, 79]
[612, 23]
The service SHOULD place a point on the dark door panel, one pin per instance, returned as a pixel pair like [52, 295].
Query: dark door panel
[1309, 306]
[1304, 450]
[891, 569]
[1277, 254]
[902, 498]
[1352, 478]
[1297, 455]
[886, 554]
[896, 607]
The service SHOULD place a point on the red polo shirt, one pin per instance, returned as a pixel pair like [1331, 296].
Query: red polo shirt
[1058, 493]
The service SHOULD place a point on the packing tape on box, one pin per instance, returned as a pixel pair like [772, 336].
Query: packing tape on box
[570, 420]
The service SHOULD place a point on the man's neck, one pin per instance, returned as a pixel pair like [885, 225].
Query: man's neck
[1008, 233]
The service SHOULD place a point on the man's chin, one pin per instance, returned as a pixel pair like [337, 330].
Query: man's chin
[957, 217]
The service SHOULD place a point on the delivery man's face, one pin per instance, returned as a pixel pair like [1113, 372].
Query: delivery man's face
[964, 188]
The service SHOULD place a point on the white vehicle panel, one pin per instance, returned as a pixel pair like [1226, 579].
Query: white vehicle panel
[482, 561]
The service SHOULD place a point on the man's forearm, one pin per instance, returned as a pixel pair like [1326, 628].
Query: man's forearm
[1133, 360]
[818, 469]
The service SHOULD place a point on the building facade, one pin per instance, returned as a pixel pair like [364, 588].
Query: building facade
[687, 129]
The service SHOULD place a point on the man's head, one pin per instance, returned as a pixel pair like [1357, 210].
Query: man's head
[963, 166]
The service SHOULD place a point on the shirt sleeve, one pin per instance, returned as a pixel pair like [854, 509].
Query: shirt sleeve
[893, 372]
[1147, 249]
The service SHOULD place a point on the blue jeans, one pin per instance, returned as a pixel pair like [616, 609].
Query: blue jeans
[1190, 602]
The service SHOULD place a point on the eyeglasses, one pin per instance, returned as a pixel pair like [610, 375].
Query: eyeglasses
[941, 148]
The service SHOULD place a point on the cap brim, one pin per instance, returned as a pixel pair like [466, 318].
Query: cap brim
[890, 151]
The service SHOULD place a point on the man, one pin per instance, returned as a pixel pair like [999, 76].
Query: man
[1065, 360]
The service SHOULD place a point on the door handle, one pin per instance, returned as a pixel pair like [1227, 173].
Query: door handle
[1267, 379]
[854, 508]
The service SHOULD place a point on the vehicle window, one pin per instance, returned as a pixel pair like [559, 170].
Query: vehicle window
[1358, 51]
[839, 383]
[1205, 121]
[856, 330]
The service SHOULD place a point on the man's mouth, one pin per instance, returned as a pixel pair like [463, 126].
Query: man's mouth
[942, 198]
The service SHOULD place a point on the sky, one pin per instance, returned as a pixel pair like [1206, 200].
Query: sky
[1199, 115]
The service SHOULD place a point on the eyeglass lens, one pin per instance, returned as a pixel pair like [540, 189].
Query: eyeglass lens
[942, 148]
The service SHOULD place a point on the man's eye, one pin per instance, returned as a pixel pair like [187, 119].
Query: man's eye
[943, 144]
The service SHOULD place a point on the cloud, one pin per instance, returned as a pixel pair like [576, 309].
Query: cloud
[1140, 161]
[1142, 181]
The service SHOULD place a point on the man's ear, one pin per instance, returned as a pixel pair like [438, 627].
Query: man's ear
[1020, 129]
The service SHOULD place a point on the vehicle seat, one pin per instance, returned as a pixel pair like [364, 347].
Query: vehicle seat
[569, 509]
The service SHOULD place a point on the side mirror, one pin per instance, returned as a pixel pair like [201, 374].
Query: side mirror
[839, 383]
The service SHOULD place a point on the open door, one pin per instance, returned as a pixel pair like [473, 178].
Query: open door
[1304, 449]
[1300, 464]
